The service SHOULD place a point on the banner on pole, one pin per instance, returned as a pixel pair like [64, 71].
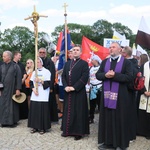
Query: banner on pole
[108, 41]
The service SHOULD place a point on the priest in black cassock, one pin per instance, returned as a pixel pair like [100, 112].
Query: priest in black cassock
[11, 79]
[116, 73]
[127, 53]
[23, 107]
[75, 114]
[49, 64]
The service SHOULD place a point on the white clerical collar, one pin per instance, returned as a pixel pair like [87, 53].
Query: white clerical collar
[115, 58]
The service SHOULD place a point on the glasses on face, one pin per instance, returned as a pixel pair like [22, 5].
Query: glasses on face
[42, 52]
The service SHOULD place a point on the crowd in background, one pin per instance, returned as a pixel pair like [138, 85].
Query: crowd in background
[76, 92]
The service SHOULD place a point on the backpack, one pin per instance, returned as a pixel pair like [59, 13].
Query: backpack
[139, 81]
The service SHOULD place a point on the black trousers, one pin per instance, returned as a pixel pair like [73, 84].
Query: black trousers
[93, 103]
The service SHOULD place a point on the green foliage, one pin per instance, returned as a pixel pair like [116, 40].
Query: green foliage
[23, 40]
[20, 39]
[102, 29]
[97, 32]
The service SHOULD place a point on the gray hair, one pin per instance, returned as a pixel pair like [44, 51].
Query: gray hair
[42, 48]
[9, 54]
[128, 50]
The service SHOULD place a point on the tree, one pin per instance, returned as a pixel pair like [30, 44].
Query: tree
[23, 40]
[97, 32]
[102, 29]
[124, 30]
[20, 39]
[76, 31]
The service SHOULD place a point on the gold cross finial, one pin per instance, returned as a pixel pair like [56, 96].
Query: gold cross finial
[34, 18]
[65, 6]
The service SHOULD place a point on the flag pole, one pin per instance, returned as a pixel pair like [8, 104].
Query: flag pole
[65, 14]
[34, 18]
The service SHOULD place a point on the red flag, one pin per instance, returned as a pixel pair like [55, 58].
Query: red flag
[58, 47]
[89, 47]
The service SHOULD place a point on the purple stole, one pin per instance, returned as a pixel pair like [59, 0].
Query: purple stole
[111, 93]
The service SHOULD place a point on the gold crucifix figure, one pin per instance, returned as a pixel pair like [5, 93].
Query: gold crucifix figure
[34, 18]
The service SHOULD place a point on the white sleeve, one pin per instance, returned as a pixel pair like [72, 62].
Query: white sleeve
[32, 76]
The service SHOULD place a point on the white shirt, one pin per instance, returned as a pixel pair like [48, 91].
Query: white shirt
[43, 96]
[93, 80]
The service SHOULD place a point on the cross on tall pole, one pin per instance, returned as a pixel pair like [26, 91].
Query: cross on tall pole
[34, 18]
[65, 14]
[65, 6]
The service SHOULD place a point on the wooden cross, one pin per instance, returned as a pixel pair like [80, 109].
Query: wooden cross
[34, 18]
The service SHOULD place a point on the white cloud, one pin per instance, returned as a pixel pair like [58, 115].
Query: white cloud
[129, 15]
[126, 14]
[7, 4]
[129, 10]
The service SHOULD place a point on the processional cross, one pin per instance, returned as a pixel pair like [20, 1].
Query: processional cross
[34, 18]
[65, 14]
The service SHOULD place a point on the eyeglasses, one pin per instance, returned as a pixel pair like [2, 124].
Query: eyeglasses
[42, 52]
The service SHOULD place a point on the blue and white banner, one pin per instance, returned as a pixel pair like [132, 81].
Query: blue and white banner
[108, 41]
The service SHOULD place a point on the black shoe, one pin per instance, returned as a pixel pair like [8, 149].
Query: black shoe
[104, 147]
[78, 137]
[147, 137]
[9, 126]
[42, 132]
[63, 135]
[3, 125]
[13, 125]
[33, 131]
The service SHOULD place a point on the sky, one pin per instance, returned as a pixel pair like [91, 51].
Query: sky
[84, 12]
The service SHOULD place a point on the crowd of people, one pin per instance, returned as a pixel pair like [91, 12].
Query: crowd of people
[75, 92]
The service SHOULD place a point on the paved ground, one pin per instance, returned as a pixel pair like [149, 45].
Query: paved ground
[20, 138]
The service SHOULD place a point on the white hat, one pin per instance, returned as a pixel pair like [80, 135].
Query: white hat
[97, 58]
[40, 60]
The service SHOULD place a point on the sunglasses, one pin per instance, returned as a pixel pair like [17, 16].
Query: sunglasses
[42, 52]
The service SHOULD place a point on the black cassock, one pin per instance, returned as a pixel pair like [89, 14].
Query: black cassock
[75, 114]
[114, 123]
[49, 64]
[11, 78]
[133, 103]
[23, 107]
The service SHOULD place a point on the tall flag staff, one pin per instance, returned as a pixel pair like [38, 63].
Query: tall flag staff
[65, 14]
[34, 18]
